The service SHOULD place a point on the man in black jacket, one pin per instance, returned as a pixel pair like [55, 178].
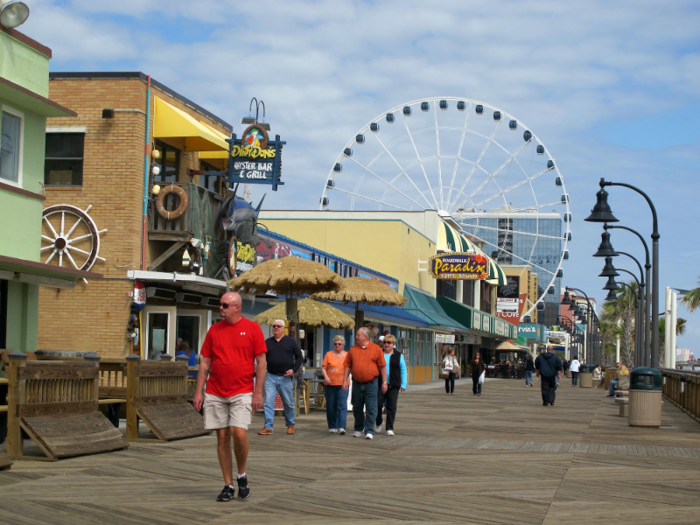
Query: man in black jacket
[548, 368]
[283, 360]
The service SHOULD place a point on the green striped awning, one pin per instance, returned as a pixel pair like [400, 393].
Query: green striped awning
[450, 240]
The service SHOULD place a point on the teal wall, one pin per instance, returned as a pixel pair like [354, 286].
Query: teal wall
[22, 316]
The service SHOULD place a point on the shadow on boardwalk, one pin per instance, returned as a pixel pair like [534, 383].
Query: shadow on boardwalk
[498, 458]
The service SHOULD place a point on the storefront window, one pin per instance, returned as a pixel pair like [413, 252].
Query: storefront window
[157, 334]
[188, 330]
[209, 182]
[404, 345]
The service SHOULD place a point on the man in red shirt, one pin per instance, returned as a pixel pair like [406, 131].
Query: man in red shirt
[365, 361]
[230, 352]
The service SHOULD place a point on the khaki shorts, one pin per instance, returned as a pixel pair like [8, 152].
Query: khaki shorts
[223, 412]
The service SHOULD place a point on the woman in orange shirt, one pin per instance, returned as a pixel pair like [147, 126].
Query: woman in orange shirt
[333, 368]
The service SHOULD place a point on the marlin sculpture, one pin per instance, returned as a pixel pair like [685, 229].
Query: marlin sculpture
[239, 217]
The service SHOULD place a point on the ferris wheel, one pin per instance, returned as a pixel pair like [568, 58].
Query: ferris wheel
[472, 161]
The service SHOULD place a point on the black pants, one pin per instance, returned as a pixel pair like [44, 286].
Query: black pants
[574, 378]
[392, 398]
[549, 389]
[476, 386]
[450, 383]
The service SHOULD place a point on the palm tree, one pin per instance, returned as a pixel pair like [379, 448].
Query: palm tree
[622, 311]
[692, 299]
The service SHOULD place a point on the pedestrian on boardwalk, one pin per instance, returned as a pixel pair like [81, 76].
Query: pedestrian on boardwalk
[450, 365]
[548, 369]
[233, 354]
[333, 369]
[476, 368]
[396, 377]
[283, 360]
[574, 367]
[529, 369]
[365, 361]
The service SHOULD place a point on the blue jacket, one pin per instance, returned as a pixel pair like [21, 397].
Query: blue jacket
[548, 364]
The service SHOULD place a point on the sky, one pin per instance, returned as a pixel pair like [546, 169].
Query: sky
[612, 88]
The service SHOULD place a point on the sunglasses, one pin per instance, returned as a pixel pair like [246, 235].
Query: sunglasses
[277, 326]
[338, 344]
[388, 342]
[225, 306]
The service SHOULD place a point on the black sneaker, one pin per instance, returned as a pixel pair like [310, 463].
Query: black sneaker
[243, 488]
[226, 494]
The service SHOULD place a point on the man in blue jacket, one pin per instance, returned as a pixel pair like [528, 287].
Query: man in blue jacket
[548, 368]
[396, 378]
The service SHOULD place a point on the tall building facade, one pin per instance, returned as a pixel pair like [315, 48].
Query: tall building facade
[524, 238]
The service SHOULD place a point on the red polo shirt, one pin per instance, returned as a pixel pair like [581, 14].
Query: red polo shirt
[232, 349]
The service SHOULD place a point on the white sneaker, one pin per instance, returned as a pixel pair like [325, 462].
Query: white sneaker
[369, 436]
[357, 435]
[389, 432]
[378, 428]
[341, 431]
[333, 430]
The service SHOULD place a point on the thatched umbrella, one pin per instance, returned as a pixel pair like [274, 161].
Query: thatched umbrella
[287, 276]
[505, 345]
[365, 291]
[313, 313]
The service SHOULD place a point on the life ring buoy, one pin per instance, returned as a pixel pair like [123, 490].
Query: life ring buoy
[176, 213]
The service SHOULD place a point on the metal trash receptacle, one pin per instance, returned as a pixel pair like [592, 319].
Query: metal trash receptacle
[645, 397]
[585, 376]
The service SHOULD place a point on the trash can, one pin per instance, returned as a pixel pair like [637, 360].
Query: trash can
[645, 397]
[585, 376]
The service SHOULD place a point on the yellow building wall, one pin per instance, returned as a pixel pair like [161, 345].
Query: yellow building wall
[387, 246]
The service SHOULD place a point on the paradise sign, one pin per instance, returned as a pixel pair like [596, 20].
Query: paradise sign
[459, 266]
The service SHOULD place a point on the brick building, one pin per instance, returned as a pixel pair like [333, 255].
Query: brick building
[106, 159]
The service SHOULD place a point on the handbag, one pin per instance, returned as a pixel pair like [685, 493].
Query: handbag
[481, 377]
[444, 374]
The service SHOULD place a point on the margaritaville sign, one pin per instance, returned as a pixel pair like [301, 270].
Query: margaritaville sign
[460, 266]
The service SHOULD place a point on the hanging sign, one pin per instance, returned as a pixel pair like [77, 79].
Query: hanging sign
[459, 266]
[254, 159]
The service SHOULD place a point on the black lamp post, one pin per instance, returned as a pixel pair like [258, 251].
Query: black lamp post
[601, 212]
[612, 296]
[644, 310]
[587, 321]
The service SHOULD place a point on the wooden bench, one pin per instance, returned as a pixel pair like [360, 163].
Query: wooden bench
[56, 404]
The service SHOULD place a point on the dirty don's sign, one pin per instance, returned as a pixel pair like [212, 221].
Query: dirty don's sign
[461, 266]
[254, 159]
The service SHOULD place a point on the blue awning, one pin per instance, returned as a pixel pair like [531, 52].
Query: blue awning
[425, 306]
[386, 314]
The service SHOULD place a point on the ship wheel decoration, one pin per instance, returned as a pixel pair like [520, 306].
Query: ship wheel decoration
[70, 237]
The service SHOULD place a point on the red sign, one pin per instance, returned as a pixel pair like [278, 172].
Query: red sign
[511, 309]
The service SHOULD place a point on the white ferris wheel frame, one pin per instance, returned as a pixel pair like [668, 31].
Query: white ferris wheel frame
[455, 206]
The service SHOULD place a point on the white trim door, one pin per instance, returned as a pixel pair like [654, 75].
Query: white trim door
[158, 334]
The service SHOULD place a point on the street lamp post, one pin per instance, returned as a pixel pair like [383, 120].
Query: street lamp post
[602, 213]
[643, 307]
[589, 325]
[647, 302]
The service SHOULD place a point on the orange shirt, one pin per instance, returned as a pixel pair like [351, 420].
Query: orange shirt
[335, 366]
[365, 364]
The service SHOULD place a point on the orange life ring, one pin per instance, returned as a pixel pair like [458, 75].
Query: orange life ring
[176, 213]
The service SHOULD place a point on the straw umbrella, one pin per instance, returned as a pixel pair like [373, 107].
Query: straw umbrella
[365, 291]
[313, 313]
[287, 276]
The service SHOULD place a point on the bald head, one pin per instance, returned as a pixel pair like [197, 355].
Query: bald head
[230, 307]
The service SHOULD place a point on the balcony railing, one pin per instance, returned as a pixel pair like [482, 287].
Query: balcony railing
[198, 221]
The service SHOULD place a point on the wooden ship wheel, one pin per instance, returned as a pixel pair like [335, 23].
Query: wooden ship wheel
[69, 237]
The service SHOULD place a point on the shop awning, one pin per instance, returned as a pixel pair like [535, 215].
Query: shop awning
[21, 270]
[421, 304]
[392, 315]
[476, 321]
[171, 122]
[496, 274]
[191, 281]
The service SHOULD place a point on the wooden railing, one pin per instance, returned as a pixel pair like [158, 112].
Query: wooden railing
[682, 388]
[160, 226]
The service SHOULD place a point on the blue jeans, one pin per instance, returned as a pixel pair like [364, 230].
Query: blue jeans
[285, 386]
[528, 377]
[611, 390]
[336, 406]
[364, 398]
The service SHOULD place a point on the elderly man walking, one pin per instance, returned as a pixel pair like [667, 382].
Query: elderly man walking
[365, 361]
[283, 360]
[231, 351]
[548, 368]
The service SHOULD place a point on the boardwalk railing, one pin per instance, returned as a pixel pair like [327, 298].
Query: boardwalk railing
[682, 388]
[56, 404]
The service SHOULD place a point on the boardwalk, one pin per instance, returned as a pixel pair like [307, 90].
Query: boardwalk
[499, 458]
